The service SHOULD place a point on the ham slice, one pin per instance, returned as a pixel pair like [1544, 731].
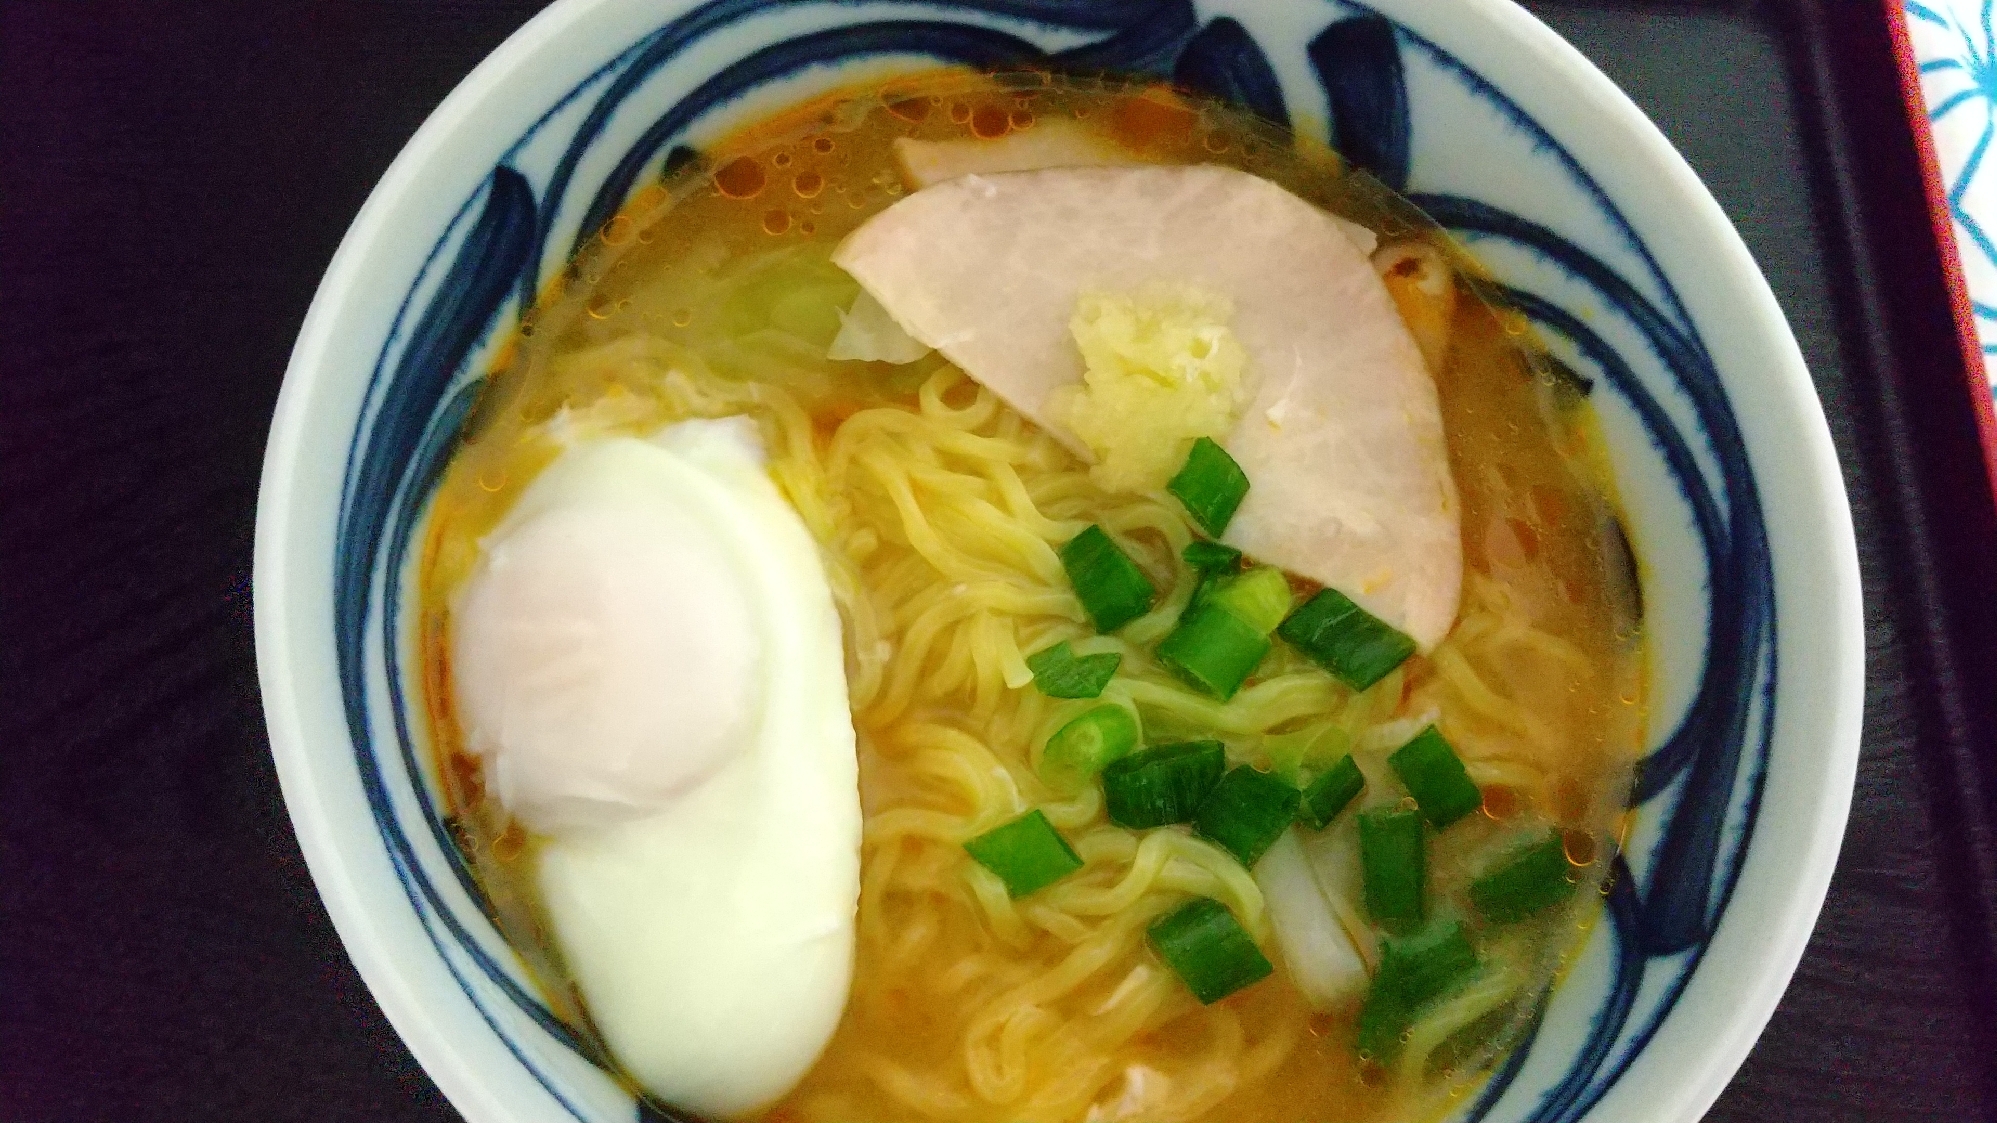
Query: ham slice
[1342, 442]
[1048, 144]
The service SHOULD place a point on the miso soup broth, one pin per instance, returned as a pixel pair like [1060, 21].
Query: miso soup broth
[1002, 981]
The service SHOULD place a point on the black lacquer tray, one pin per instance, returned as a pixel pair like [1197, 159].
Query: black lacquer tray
[173, 180]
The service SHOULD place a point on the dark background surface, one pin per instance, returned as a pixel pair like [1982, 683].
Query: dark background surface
[174, 178]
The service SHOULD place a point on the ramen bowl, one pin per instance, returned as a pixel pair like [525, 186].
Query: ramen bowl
[1590, 226]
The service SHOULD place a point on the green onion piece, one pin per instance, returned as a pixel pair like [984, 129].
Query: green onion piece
[1214, 650]
[1060, 673]
[1211, 557]
[1430, 963]
[1393, 861]
[1081, 748]
[1162, 784]
[1208, 949]
[1329, 793]
[1345, 639]
[1214, 563]
[1261, 597]
[1435, 777]
[1246, 813]
[1027, 854]
[1112, 589]
[1381, 1022]
[1414, 970]
[1202, 592]
[1533, 878]
[1211, 486]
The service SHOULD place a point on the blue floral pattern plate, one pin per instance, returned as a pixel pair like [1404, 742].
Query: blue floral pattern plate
[1956, 53]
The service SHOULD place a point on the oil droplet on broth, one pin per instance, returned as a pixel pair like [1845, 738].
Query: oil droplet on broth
[491, 481]
[914, 110]
[1021, 118]
[1579, 846]
[619, 230]
[740, 178]
[823, 145]
[989, 122]
[959, 112]
[682, 317]
[776, 221]
[510, 843]
[808, 184]
[1500, 802]
[781, 159]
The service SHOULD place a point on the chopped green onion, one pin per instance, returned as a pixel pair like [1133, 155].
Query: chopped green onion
[1246, 813]
[1214, 563]
[1345, 639]
[1112, 589]
[1414, 970]
[1381, 1022]
[1211, 486]
[1060, 673]
[1081, 748]
[1261, 597]
[1430, 963]
[1208, 949]
[1533, 878]
[1394, 864]
[1211, 557]
[1162, 784]
[1027, 854]
[1214, 650]
[1435, 777]
[1329, 793]
[1202, 592]
[1463, 1049]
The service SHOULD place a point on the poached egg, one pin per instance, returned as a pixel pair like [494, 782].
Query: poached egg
[646, 658]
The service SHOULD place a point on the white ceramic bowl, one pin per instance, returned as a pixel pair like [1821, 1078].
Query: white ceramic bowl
[1502, 131]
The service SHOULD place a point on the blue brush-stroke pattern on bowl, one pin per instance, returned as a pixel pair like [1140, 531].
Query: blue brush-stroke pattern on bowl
[1702, 782]
[1957, 48]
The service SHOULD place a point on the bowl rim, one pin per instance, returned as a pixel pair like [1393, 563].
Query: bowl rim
[362, 935]
[1712, 1067]
[280, 672]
